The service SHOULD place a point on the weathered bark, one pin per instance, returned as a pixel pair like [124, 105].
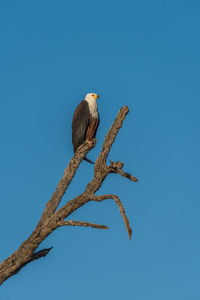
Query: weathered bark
[52, 218]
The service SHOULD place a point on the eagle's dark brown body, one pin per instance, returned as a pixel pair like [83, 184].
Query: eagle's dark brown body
[84, 125]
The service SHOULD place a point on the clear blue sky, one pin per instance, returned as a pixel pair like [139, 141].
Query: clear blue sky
[144, 54]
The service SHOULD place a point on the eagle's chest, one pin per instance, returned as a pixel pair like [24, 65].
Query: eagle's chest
[93, 109]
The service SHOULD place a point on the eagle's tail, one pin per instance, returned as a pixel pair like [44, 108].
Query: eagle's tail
[88, 160]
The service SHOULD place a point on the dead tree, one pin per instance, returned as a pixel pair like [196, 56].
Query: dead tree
[52, 218]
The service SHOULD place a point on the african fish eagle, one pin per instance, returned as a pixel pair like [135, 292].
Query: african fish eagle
[85, 121]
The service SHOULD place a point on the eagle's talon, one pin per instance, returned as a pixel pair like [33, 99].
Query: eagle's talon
[89, 142]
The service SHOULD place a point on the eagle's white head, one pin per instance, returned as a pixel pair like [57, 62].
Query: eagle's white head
[91, 99]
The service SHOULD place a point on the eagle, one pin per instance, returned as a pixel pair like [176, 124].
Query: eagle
[85, 121]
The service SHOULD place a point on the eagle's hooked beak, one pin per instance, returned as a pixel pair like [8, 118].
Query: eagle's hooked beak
[96, 96]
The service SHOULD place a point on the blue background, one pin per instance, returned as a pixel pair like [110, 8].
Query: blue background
[144, 54]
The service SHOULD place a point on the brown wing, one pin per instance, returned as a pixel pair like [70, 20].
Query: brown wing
[80, 124]
[92, 128]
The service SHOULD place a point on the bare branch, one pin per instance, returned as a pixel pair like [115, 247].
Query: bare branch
[121, 209]
[127, 175]
[69, 173]
[116, 167]
[40, 253]
[80, 223]
[110, 137]
[52, 218]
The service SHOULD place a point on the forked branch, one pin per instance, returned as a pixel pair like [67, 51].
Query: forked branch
[52, 218]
